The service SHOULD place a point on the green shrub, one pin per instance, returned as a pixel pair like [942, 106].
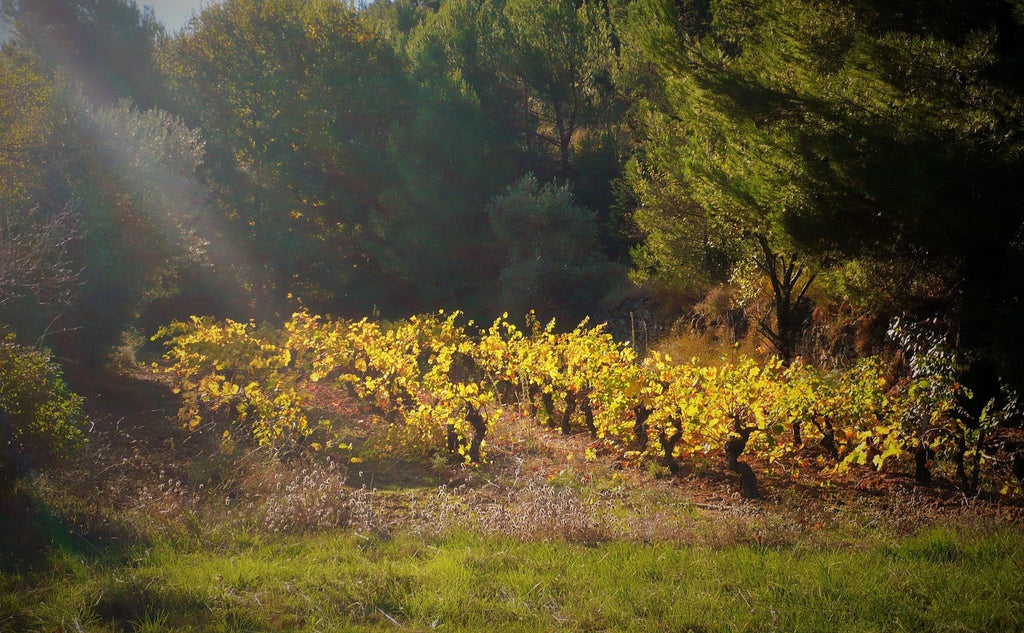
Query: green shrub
[38, 412]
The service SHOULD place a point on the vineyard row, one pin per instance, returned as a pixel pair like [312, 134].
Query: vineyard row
[436, 384]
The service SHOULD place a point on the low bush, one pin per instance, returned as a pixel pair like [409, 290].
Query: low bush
[39, 414]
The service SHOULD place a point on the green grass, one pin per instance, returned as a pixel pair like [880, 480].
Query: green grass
[142, 535]
[939, 580]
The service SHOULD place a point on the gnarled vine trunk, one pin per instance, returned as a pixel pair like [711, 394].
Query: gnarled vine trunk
[588, 413]
[479, 431]
[734, 447]
[668, 448]
[570, 408]
[640, 426]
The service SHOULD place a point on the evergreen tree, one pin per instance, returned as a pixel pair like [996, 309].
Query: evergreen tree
[832, 133]
[552, 259]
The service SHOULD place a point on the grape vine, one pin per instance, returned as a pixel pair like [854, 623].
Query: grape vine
[435, 383]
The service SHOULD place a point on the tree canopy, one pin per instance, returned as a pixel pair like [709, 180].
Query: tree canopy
[498, 155]
[843, 136]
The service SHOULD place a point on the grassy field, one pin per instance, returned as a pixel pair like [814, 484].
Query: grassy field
[150, 529]
[939, 580]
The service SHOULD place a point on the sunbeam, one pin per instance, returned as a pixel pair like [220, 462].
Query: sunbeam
[145, 169]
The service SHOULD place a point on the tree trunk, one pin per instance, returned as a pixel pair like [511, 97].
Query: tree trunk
[532, 391]
[976, 466]
[787, 293]
[506, 391]
[923, 454]
[548, 401]
[564, 127]
[640, 426]
[958, 459]
[570, 408]
[588, 413]
[668, 447]
[828, 440]
[453, 439]
[734, 447]
[479, 431]
[921, 472]
[563, 143]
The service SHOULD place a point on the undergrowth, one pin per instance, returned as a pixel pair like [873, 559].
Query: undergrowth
[153, 529]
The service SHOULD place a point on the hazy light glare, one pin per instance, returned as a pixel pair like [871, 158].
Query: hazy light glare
[154, 158]
[174, 14]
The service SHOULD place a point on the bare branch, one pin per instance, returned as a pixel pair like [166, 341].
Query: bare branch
[34, 257]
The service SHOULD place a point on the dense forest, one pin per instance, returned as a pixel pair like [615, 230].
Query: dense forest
[829, 180]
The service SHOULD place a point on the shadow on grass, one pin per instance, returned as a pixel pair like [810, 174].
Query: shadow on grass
[30, 533]
[132, 604]
[128, 416]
